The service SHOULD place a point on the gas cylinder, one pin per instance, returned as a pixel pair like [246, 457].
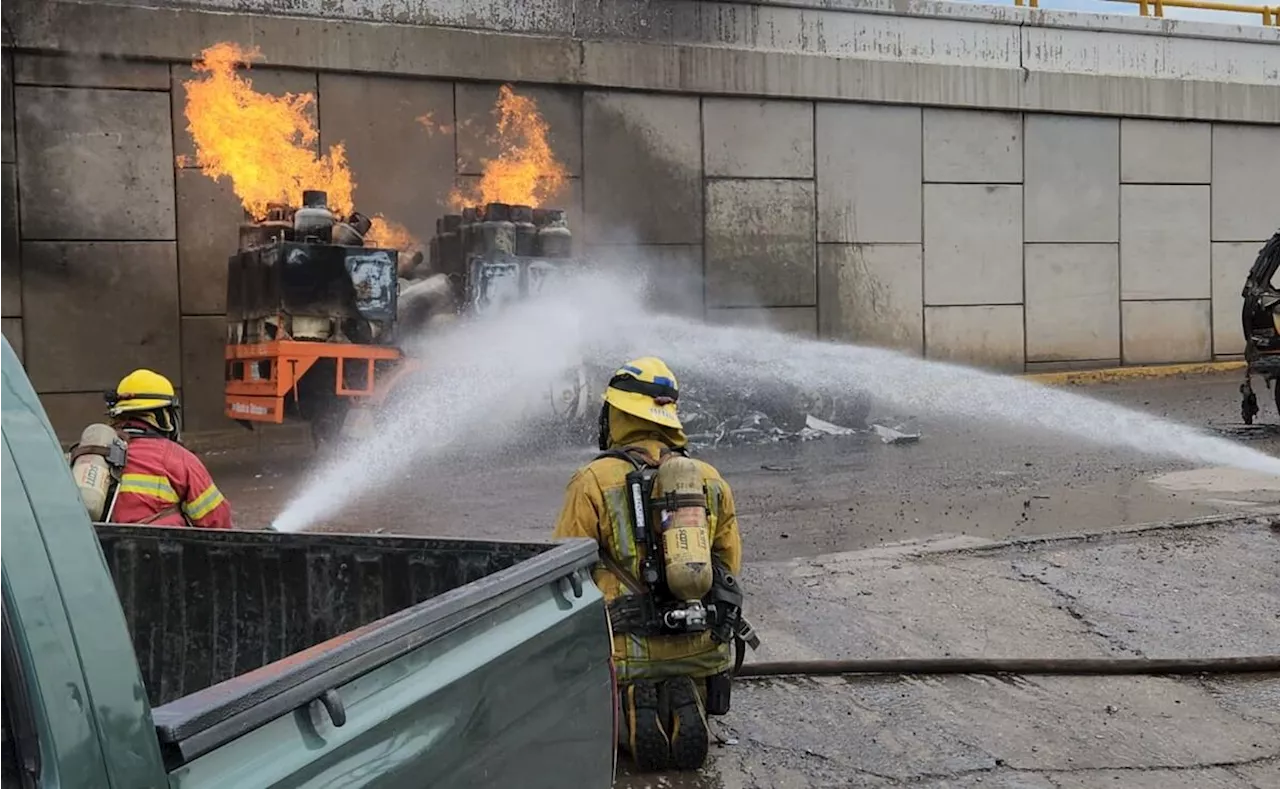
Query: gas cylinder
[91, 471]
[313, 219]
[498, 230]
[526, 231]
[554, 238]
[686, 535]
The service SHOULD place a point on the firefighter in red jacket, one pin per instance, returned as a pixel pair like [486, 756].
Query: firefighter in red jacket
[162, 483]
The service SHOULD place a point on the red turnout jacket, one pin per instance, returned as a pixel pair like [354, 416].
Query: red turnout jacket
[163, 476]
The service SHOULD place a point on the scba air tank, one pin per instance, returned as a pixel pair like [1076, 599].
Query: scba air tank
[686, 535]
[91, 471]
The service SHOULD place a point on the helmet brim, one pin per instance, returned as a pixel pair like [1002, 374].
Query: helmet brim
[644, 407]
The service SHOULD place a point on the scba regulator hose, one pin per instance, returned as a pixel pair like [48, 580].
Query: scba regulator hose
[1027, 666]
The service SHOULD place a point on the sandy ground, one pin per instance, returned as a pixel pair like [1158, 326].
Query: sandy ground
[856, 548]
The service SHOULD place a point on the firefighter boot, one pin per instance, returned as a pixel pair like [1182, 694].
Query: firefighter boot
[690, 737]
[645, 735]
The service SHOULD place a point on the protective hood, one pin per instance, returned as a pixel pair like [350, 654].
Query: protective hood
[628, 430]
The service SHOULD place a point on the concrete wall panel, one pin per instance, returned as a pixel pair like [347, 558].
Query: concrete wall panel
[1131, 53]
[89, 72]
[1246, 169]
[1164, 242]
[96, 311]
[971, 146]
[476, 129]
[10, 253]
[1073, 302]
[869, 171]
[989, 336]
[12, 328]
[670, 274]
[760, 247]
[94, 164]
[972, 244]
[272, 81]
[1231, 263]
[71, 412]
[802, 321]
[7, 148]
[401, 171]
[749, 138]
[1160, 332]
[209, 216]
[871, 294]
[1164, 152]
[203, 373]
[642, 165]
[1072, 178]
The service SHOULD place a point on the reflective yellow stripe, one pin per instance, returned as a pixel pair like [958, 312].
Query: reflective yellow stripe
[204, 504]
[149, 485]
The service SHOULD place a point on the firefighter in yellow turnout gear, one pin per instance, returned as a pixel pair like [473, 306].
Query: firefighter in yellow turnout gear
[674, 657]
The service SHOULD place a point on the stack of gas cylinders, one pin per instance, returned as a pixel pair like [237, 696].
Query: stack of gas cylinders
[497, 230]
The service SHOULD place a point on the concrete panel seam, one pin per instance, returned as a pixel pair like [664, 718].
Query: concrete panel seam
[817, 252]
[750, 307]
[1120, 238]
[1213, 340]
[1022, 204]
[713, 178]
[924, 267]
[706, 193]
[75, 86]
[56, 240]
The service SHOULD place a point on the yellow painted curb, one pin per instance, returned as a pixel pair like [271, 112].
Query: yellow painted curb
[1088, 377]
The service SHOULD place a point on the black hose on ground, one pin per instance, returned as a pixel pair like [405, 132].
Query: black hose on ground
[1041, 666]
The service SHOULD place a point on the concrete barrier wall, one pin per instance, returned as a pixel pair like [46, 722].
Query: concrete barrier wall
[941, 212]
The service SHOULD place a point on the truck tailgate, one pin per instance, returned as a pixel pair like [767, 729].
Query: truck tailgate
[504, 678]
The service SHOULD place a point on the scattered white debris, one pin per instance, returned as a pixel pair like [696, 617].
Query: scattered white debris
[822, 426]
[890, 435]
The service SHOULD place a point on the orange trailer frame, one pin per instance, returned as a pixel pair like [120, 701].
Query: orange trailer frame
[260, 376]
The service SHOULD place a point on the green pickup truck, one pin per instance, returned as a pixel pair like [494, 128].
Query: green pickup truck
[139, 657]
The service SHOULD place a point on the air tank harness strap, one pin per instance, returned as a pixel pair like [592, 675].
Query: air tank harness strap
[631, 613]
[78, 452]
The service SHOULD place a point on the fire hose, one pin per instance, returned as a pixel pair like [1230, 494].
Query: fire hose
[1028, 666]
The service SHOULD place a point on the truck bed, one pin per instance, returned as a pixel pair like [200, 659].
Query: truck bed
[233, 629]
[204, 606]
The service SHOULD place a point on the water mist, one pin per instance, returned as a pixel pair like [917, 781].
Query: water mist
[487, 379]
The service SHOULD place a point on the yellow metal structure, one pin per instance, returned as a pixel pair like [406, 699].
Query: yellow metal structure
[1270, 14]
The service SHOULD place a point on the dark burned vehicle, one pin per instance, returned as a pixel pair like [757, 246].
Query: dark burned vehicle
[1261, 321]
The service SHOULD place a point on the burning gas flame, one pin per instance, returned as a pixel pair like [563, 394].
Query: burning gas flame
[264, 144]
[387, 234]
[526, 171]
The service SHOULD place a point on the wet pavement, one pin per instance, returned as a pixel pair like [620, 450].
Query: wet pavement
[856, 548]
[814, 497]
[1206, 591]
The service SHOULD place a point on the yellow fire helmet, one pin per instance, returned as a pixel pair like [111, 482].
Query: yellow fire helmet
[141, 390]
[645, 388]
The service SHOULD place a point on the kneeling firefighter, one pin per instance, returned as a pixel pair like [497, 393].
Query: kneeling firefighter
[670, 550]
[136, 471]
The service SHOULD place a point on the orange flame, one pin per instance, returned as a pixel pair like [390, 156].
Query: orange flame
[387, 234]
[264, 144]
[526, 171]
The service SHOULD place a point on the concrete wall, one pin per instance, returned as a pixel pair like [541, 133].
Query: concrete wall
[990, 196]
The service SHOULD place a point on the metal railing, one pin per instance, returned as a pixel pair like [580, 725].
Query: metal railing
[1270, 14]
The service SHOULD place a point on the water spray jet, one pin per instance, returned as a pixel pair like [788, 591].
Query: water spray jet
[484, 380]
